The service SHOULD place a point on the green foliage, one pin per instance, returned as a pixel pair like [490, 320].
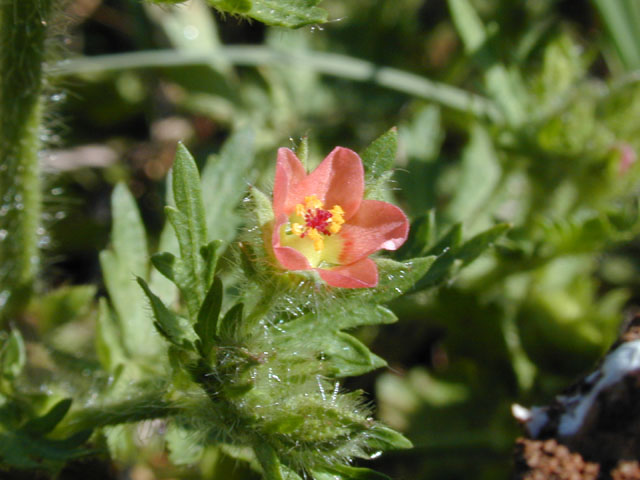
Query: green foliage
[280, 13]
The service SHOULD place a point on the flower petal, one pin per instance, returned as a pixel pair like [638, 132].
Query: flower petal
[361, 274]
[289, 173]
[377, 225]
[338, 180]
[289, 258]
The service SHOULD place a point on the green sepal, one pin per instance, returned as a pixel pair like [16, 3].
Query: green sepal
[13, 355]
[174, 328]
[47, 422]
[206, 326]
[262, 207]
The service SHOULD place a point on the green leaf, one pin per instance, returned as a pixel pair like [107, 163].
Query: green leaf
[165, 263]
[108, 341]
[468, 24]
[229, 325]
[379, 157]
[127, 233]
[381, 437]
[13, 355]
[210, 255]
[359, 315]
[189, 269]
[174, 328]
[345, 472]
[394, 279]
[46, 423]
[224, 183]
[422, 235]
[126, 259]
[475, 246]
[288, 13]
[63, 305]
[207, 325]
[622, 19]
[231, 6]
[457, 256]
[268, 461]
[340, 354]
[188, 220]
[478, 178]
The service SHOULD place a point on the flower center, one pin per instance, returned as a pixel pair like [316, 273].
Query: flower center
[318, 221]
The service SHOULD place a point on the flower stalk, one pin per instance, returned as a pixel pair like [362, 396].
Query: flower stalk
[23, 30]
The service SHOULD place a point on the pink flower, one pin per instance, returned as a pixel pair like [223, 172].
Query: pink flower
[322, 223]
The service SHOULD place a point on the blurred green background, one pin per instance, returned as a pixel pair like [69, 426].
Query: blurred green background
[526, 113]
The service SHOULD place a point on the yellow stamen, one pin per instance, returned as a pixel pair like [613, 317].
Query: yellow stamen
[312, 202]
[334, 228]
[297, 229]
[300, 210]
[318, 241]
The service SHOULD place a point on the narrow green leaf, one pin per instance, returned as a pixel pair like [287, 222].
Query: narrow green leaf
[46, 423]
[475, 246]
[468, 24]
[422, 235]
[207, 325]
[13, 355]
[174, 328]
[268, 461]
[288, 13]
[229, 325]
[449, 240]
[210, 255]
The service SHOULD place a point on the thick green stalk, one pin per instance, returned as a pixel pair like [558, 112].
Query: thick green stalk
[23, 29]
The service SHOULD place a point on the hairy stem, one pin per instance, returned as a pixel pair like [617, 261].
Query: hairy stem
[23, 29]
[135, 409]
